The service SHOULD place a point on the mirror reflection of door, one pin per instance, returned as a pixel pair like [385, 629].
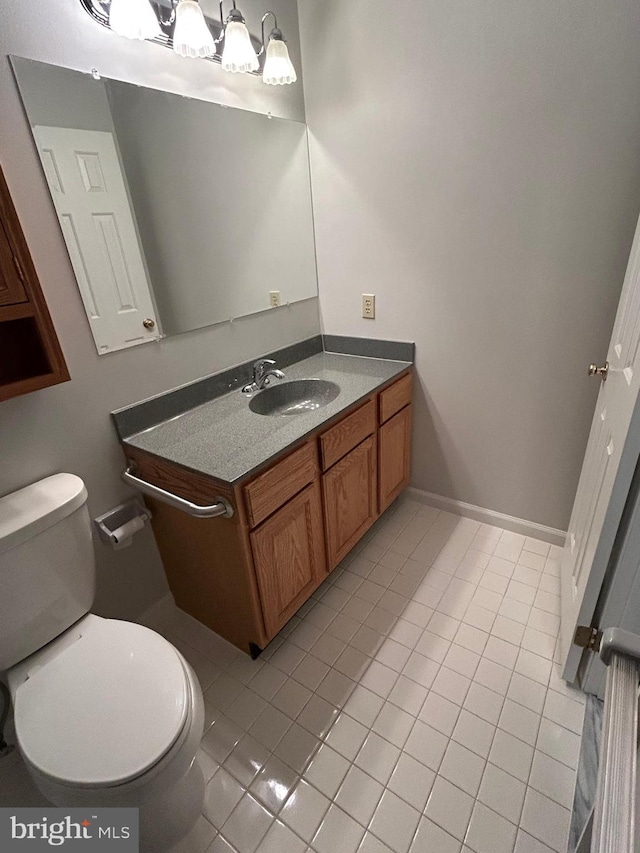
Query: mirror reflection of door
[88, 189]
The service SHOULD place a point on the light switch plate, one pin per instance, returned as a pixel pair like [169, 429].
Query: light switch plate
[369, 306]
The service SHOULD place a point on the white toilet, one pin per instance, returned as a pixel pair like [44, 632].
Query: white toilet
[107, 713]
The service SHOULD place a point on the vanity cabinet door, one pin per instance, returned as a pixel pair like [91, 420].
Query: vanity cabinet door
[394, 457]
[350, 499]
[289, 557]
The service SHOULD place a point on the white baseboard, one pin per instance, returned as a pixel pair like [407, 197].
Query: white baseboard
[490, 516]
[159, 613]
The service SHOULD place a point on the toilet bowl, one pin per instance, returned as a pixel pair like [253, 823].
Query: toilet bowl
[110, 714]
[106, 712]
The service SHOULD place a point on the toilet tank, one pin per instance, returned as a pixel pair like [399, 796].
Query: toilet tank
[47, 568]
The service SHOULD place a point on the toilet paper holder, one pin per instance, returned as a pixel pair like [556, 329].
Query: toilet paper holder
[118, 526]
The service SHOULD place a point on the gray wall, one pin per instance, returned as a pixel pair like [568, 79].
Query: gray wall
[477, 166]
[67, 428]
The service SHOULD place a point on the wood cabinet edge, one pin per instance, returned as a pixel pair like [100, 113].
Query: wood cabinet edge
[37, 305]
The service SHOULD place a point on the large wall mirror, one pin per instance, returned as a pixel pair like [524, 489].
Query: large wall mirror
[177, 213]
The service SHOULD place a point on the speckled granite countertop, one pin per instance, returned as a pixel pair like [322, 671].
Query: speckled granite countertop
[225, 439]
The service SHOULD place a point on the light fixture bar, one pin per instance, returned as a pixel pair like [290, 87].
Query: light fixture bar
[99, 11]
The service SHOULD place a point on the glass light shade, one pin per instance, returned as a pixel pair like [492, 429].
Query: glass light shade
[238, 54]
[278, 69]
[191, 35]
[133, 19]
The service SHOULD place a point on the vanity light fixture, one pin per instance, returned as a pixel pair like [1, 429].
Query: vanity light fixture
[191, 35]
[238, 55]
[133, 19]
[278, 68]
[182, 26]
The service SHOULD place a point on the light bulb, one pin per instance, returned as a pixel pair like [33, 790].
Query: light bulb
[133, 19]
[191, 35]
[278, 69]
[238, 54]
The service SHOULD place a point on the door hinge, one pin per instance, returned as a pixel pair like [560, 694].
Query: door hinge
[588, 638]
[18, 267]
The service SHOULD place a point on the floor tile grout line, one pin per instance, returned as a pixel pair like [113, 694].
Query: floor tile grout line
[534, 747]
[496, 727]
[322, 740]
[385, 636]
[429, 690]
[486, 760]
[399, 673]
[489, 754]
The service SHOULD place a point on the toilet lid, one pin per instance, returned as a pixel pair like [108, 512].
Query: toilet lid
[106, 709]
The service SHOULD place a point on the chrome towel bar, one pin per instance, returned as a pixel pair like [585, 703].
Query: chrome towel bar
[220, 509]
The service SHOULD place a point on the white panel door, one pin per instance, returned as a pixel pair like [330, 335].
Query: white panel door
[86, 182]
[597, 509]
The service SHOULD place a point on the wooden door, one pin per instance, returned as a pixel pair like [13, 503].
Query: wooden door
[350, 499]
[604, 481]
[394, 457]
[88, 188]
[289, 558]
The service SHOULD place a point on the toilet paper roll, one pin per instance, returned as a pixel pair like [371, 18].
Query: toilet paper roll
[124, 533]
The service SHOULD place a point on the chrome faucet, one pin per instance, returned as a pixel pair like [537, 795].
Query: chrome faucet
[261, 375]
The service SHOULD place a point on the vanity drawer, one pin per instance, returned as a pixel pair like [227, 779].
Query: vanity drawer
[271, 490]
[395, 398]
[344, 436]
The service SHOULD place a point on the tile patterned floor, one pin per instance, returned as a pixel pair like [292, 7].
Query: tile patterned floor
[413, 705]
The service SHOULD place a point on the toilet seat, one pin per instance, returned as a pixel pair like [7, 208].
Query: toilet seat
[104, 710]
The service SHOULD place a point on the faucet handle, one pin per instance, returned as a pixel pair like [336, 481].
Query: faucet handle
[260, 366]
[259, 370]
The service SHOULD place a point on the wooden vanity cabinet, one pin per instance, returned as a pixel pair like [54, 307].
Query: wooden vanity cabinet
[349, 462]
[245, 577]
[270, 490]
[289, 557]
[284, 505]
[394, 441]
[208, 562]
[350, 504]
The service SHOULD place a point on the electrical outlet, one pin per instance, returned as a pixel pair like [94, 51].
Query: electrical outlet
[369, 306]
[274, 298]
